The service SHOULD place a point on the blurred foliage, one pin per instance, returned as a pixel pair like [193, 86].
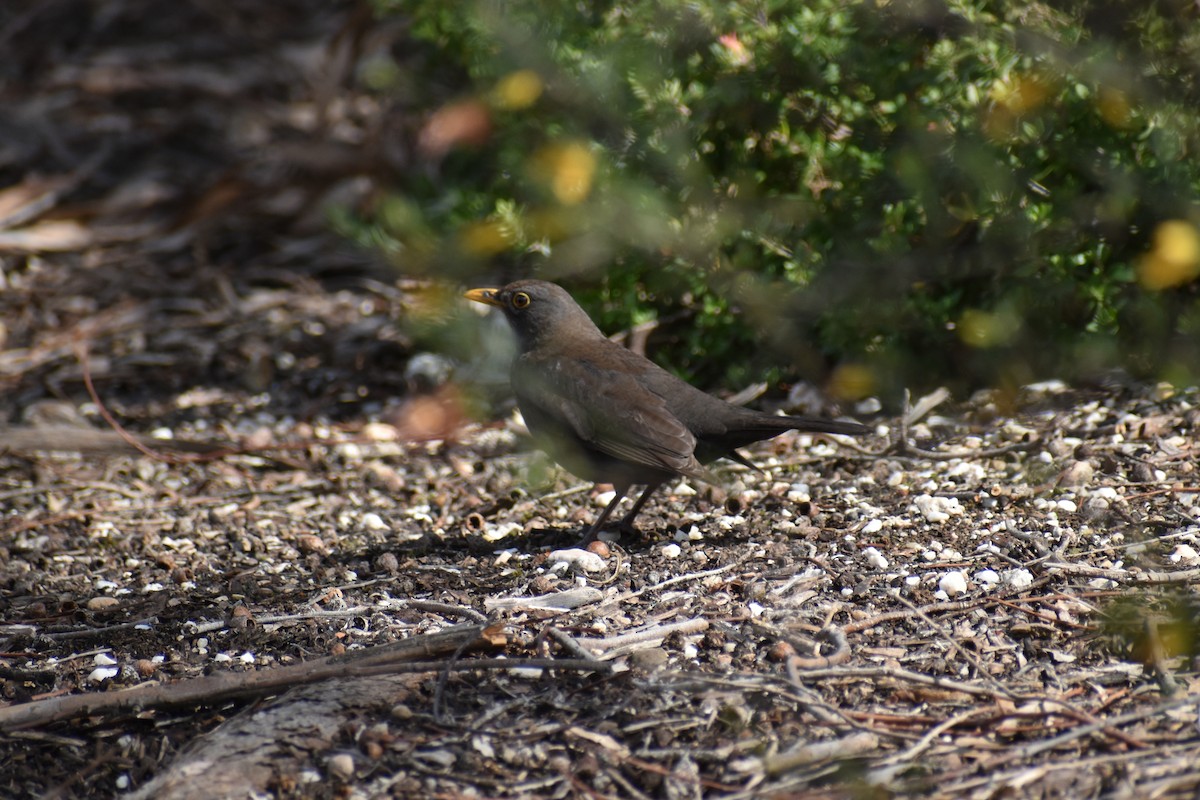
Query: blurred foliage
[922, 191]
[1151, 626]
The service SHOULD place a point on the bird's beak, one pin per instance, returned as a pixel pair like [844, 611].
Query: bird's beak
[485, 296]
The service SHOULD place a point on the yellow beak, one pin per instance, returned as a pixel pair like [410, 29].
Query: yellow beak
[485, 296]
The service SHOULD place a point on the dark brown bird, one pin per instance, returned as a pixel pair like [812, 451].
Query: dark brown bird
[610, 415]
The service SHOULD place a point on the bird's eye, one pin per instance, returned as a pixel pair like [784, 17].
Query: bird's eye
[520, 300]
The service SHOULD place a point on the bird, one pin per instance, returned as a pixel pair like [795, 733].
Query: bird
[609, 415]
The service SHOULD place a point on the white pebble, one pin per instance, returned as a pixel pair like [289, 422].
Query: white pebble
[341, 766]
[1068, 506]
[604, 498]
[875, 558]
[671, 550]
[874, 526]
[987, 576]
[373, 522]
[953, 583]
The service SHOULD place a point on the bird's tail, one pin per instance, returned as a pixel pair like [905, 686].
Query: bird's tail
[819, 425]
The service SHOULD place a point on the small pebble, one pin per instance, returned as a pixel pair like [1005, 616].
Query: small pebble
[953, 583]
[387, 562]
[309, 543]
[650, 658]
[1094, 508]
[341, 766]
[1141, 473]
[1076, 473]
[987, 576]
[671, 550]
[875, 558]
[373, 522]
[103, 603]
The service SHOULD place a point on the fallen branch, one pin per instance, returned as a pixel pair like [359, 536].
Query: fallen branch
[404, 656]
[1142, 577]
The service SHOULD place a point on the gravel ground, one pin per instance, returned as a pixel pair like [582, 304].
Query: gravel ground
[1006, 603]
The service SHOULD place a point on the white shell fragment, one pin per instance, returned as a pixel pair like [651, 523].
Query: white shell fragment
[575, 558]
[937, 509]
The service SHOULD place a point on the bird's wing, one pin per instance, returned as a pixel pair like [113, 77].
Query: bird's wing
[607, 410]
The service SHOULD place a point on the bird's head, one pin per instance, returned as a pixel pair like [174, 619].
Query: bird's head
[538, 311]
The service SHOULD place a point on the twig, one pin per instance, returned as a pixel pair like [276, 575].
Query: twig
[1146, 577]
[405, 655]
[570, 644]
[980, 669]
[691, 576]
[840, 655]
[90, 633]
[649, 633]
[904, 675]
[925, 741]
[806, 753]
[1036, 748]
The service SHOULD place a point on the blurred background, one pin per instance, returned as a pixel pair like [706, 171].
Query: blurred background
[863, 196]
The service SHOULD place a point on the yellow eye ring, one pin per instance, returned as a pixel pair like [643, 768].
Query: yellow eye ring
[520, 300]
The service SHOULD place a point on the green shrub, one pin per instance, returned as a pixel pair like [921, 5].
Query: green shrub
[923, 191]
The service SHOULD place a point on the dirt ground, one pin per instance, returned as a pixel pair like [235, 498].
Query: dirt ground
[354, 590]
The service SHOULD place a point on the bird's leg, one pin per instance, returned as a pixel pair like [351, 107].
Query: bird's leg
[620, 490]
[626, 523]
